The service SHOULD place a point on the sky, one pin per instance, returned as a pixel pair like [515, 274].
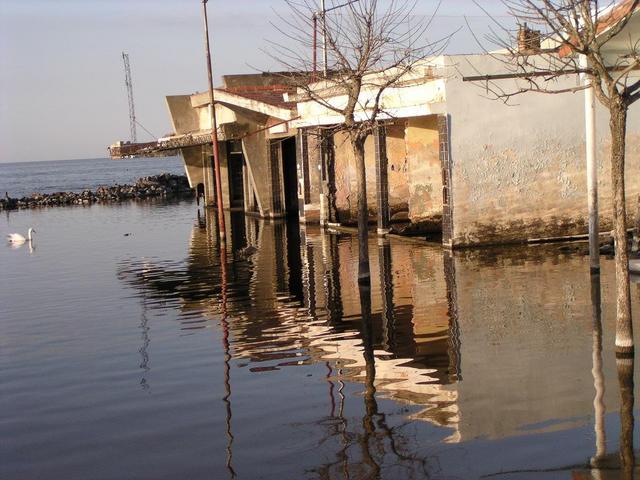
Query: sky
[62, 92]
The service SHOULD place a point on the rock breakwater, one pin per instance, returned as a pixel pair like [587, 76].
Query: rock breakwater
[164, 185]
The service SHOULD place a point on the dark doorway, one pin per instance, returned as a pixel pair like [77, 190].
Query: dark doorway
[290, 176]
[235, 161]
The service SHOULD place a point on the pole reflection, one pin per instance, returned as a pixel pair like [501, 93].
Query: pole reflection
[598, 375]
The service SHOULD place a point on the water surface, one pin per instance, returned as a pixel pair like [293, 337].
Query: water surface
[24, 178]
[129, 350]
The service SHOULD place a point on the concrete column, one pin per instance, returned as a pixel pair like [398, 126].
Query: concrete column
[208, 177]
[302, 167]
[224, 174]
[277, 190]
[328, 215]
[447, 187]
[382, 179]
[247, 191]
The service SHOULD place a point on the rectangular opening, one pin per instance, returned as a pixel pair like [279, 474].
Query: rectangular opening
[235, 161]
[289, 175]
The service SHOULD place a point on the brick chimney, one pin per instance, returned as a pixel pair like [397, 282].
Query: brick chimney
[528, 40]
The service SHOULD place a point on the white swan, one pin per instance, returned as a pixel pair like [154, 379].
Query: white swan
[16, 238]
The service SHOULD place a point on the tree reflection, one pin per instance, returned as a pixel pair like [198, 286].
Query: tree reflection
[625, 366]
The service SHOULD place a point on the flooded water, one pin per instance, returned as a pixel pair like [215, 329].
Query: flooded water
[128, 349]
[24, 178]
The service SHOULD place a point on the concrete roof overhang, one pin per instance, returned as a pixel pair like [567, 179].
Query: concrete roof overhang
[420, 92]
[243, 104]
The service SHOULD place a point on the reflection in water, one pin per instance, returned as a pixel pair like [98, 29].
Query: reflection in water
[144, 354]
[598, 376]
[625, 378]
[293, 300]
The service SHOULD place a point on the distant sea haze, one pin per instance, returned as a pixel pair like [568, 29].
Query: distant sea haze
[25, 178]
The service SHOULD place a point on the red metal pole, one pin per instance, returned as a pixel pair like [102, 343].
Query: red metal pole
[214, 130]
[315, 46]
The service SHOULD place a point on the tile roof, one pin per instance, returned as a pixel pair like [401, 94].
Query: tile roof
[269, 94]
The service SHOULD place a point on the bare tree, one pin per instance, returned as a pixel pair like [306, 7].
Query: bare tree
[575, 37]
[372, 46]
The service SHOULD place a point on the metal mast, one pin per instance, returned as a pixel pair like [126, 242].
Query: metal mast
[132, 110]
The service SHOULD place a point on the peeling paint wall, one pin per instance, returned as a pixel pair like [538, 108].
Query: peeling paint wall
[193, 165]
[425, 188]
[397, 170]
[414, 172]
[347, 181]
[199, 169]
[256, 153]
[519, 172]
[313, 146]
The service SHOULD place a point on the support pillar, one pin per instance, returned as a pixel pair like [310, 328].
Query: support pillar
[382, 180]
[328, 214]
[447, 185]
[277, 191]
[208, 178]
[302, 164]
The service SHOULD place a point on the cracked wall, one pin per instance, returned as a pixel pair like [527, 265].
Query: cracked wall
[414, 173]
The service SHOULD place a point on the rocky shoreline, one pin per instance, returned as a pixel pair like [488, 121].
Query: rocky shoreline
[165, 185]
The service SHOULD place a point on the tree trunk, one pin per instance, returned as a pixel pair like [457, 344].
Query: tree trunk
[364, 274]
[636, 229]
[624, 328]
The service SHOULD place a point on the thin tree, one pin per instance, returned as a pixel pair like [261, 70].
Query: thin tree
[574, 31]
[372, 46]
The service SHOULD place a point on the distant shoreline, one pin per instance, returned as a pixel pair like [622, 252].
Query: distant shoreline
[93, 159]
[165, 185]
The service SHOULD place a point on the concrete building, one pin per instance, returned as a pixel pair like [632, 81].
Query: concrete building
[445, 159]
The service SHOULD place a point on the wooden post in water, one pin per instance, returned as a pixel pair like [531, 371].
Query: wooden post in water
[214, 130]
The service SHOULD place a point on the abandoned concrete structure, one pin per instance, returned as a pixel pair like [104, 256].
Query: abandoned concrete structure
[445, 159]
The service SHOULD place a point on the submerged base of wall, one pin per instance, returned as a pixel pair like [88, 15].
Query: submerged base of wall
[520, 233]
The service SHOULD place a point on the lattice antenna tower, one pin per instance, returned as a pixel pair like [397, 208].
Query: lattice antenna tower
[132, 109]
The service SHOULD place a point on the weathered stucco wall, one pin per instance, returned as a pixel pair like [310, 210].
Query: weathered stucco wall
[256, 153]
[425, 186]
[184, 118]
[397, 170]
[315, 186]
[310, 183]
[193, 165]
[414, 174]
[519, 172]
[347, 181]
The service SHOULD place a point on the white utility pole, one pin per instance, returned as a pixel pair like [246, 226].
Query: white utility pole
[592, 167]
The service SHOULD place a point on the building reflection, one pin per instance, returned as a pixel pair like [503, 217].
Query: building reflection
[481, 344]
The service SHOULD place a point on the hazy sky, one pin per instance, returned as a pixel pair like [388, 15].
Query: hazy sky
[62, 93]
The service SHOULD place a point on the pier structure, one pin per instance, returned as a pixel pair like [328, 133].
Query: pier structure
[256, 142]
